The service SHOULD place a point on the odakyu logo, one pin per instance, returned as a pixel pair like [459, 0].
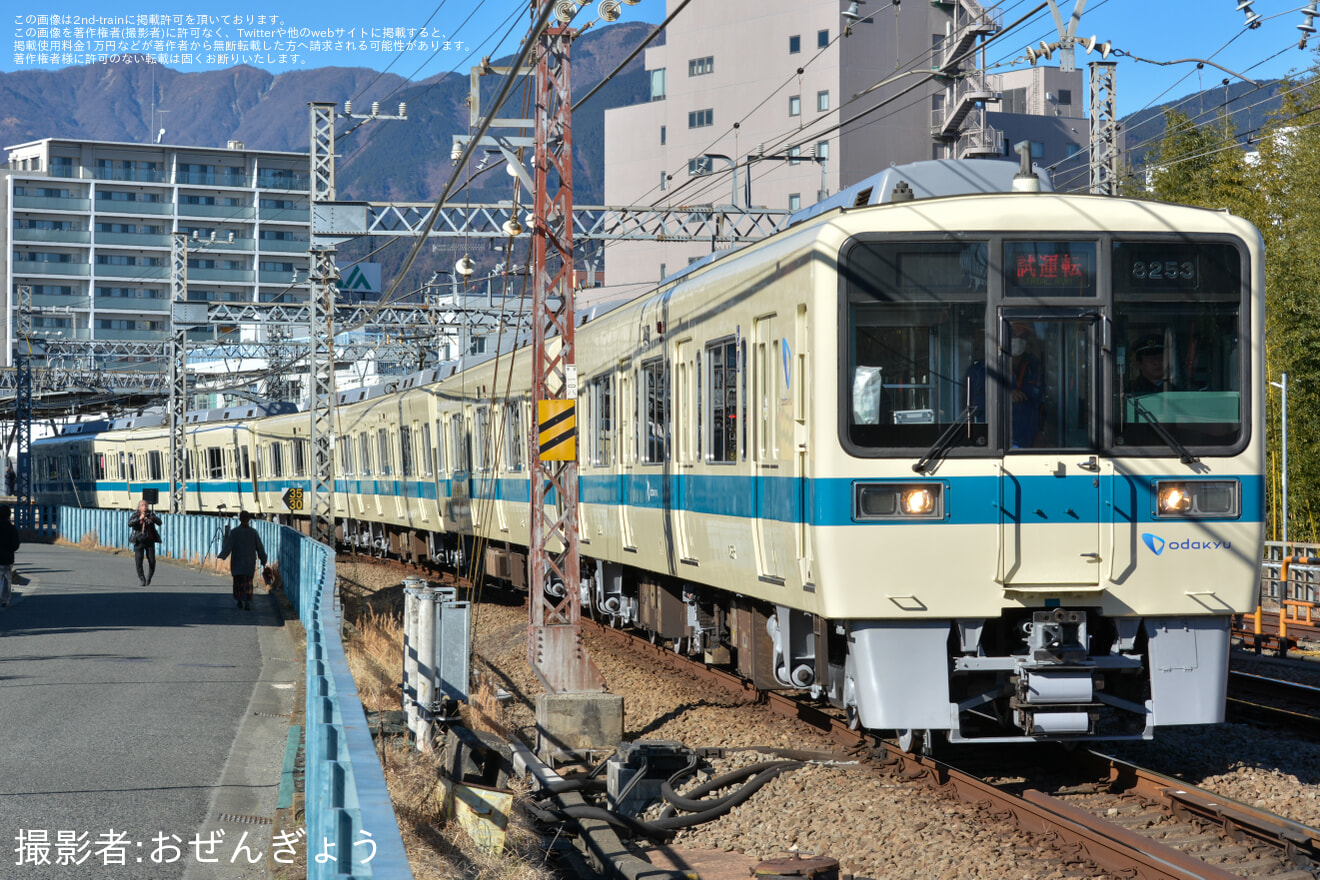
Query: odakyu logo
[1158, 545]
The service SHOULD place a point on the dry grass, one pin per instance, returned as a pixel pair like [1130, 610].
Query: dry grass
[437, 848]
[375, 655]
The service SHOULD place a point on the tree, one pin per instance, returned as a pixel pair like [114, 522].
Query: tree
[1205, 165]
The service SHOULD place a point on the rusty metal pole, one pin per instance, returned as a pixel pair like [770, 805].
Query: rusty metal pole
[554, 636]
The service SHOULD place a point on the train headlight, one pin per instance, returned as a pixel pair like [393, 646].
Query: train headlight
[898, 501]
[918, 501]
[1197, 498]
[1174, 499]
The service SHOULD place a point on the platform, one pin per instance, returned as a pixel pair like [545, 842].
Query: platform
[142, 714]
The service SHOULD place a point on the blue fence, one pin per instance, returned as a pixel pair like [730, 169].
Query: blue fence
[349, 815]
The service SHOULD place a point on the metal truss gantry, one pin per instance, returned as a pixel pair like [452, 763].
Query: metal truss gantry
[720, 223]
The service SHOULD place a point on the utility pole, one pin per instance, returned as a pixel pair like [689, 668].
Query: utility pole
[554, 638]
[1104, 128]
[320, 330]
[321, 314]
[1282, 385]
[23, 410]
[554, 635]
[178, 371]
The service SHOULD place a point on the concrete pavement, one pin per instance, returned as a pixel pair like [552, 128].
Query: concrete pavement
[144, 727]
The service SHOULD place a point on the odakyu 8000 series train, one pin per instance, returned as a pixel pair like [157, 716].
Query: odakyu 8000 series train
[984, 467]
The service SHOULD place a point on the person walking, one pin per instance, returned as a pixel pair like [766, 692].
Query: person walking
[11, 480]
[143, 537]
[245, 545]
[9, 543]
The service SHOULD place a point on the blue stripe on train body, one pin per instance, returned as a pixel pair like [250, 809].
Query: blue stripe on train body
[975, 500]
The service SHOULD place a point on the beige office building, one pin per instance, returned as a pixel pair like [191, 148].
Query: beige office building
[88, 227]
[803, 99]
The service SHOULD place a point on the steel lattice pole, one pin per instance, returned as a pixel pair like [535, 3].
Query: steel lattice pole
[1104, 128]
[554, 639]
[321, 372]
[23, 410]
[178, 371]
[321, 330]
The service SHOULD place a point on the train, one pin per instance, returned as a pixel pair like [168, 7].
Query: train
[970, 464]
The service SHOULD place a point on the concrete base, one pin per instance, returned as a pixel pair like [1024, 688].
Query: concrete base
[578, 722]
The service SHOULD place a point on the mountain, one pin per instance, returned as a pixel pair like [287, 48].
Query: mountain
[383, 161]
[1248, 105]
[131, 101]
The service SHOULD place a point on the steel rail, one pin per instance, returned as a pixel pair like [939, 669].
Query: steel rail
[1299, 843]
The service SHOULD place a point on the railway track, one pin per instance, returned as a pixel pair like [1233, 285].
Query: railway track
[1272, 634]
[1257, 699]
[1121, 820]
[1092, 813]
[1132, 822]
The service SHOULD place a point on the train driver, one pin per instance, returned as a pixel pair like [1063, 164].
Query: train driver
[1148, 355]
[1028, 387]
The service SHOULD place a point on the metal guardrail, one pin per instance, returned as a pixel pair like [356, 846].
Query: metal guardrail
[349, 815]
[1303, 580]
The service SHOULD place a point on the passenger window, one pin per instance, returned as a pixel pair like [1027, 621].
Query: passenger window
[722, 402]
[655, 412]
[405, 451]
[513, 433]
[916, 346]
[364, 459]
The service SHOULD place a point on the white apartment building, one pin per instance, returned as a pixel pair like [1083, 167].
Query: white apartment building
[88, 226]
[805, 100]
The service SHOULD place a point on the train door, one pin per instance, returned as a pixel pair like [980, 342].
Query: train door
[402, 441]
[503, 463]
[798, 390]
[441, 484]
[686, 434]
[1050, 478]
[627, 455]
[767, 475]
[461, 462]
[249, 475]
[425, 469]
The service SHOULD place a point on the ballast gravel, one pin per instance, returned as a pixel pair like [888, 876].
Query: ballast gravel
[874, 825]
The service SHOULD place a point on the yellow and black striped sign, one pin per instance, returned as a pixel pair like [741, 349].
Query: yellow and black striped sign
[556, 425]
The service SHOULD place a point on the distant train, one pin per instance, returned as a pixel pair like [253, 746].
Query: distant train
[983, 467]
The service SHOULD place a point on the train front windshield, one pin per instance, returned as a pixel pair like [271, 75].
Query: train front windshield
[1099, 344]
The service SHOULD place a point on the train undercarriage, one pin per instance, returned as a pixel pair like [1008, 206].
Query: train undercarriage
[1066, 673]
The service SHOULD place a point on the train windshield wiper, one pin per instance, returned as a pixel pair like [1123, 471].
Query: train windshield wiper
[946, 440]
[1169, 440]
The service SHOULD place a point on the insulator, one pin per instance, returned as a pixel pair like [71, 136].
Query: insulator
[565, 10]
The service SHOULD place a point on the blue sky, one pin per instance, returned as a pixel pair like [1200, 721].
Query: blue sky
[456, 33]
